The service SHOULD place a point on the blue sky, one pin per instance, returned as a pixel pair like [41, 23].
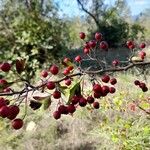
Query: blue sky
[70, 7]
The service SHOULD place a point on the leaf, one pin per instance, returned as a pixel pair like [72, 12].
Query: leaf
[76, 89]
[46, 103]
[20, 65]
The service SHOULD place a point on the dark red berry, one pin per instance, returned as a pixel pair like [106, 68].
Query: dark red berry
[98, 36]
[57, 115]
[96, 105]
[2, 102]
[75, 100]
[56, 94]
[113, 81]
[92, 44]
[82, 102]
[105, 90]
[90, 99]
[137, 82]
[145, 89]
[143, 45]
[112, 90]
[97, 95]
[4, 111]
[68, 82]
[105, 78]
[14, 111]
[44, 73]
[50, 85]
[82, 35]
[97, 88]
[104, 45]
[142, 85]
[54, 69]
[17, 123]
[71, 109]
[5, 66]
[63, 109]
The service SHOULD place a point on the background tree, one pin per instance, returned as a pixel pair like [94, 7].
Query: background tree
[109, 19]
[31, 30]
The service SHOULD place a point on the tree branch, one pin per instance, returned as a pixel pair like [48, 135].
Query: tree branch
[86, 11]
[33, 88]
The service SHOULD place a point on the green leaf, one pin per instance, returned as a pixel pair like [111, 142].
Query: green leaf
[46, 103]
[74, 90]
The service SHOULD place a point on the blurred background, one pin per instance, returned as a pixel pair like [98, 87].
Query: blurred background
[43, 32]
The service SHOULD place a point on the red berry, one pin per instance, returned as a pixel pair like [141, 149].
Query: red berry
[66, 71]
[90, 99]
[75, 100]
[113, 81]
[97, 95]
[115, 62]
[143, 45]
[142, 54]
[56, 94]
[105, 78]
[105, 89]
[145, 89]
[86, 50]
[14, 111]
[57, 115]
[2, 102]
[54, 69]
[3, 82]
[17, 123]
[71, 109]
[50, 85]
[92, 44]
[104, 45]
[112, 90]
[142, 85]
[98, 36]
[63, 109]
[137, 82]
[44, 73]
[68, 82]
[82, 102]
[4, 111]
[66, 60]
[96, 105]
[78, 58]
[86, 45]
[70, 68]
[97, 88]
[82, 35]
[5, 67]
[7, 90]
[130, 44]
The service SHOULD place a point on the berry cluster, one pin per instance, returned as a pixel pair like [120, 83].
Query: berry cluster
[141, 85]
[10, 112]
[71, 79]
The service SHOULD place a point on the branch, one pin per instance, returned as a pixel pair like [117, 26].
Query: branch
[119, 68]
[33, 88]
[90, 14]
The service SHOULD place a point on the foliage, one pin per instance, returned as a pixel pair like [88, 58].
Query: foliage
[33, 34]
